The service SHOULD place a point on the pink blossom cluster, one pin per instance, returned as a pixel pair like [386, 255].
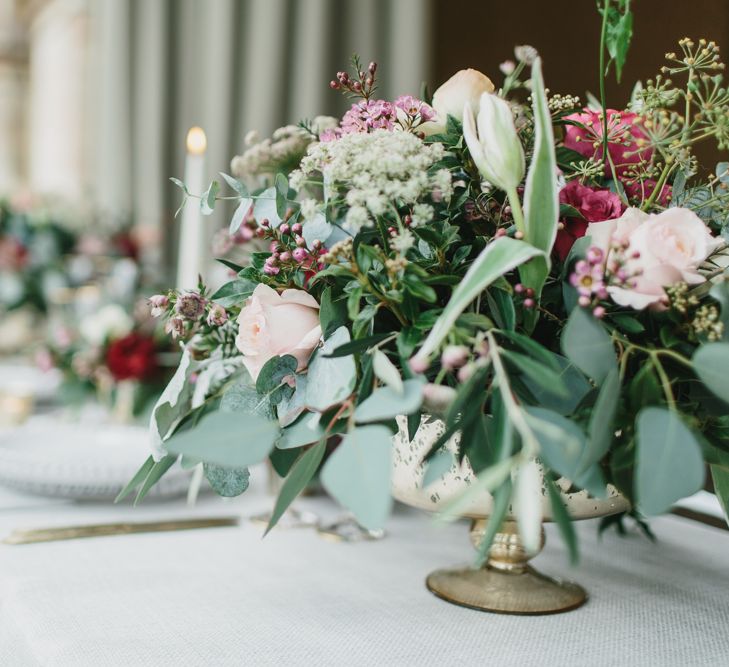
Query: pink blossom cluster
[367, 115]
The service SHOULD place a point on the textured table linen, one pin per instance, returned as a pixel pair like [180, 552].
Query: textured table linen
[226, 597]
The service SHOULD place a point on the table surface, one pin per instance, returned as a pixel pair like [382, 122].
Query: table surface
[224, 596]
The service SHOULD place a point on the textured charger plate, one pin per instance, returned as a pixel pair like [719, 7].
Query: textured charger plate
[83, 461]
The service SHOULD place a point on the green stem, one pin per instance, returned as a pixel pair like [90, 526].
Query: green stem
[659, 186]
[665, 381]
[603, 98]
[516, 211]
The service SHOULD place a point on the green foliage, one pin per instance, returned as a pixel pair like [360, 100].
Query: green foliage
[619, 32]
[586, 343]
[229, 439]
[357, 474]
[299, 476]
[541, 197]
[331, 379]
[669, 463]
[498, 258]
[209, 198]
[712, 366]
[227, 482]
[387, 403]
[234, 292]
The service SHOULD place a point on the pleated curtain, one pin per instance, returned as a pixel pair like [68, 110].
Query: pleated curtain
[229, 66]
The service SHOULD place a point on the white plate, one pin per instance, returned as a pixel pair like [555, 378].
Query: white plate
[83, 461]
[21, 378]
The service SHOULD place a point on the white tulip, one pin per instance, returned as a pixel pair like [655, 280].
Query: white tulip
[465, 87]
[495, 148]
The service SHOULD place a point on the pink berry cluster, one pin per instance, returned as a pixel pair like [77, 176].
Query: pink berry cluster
[527, 294]
[362, 84]
[185, 311]
[288, 247]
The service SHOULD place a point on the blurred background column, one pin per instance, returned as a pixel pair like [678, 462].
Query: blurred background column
[13, 83]
[57, 114]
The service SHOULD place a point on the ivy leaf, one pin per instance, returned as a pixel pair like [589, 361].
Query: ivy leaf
[208, 200]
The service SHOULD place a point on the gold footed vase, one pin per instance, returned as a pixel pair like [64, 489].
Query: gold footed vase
[506, 583]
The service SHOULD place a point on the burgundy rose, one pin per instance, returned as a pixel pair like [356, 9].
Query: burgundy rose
[628, 143]
[593, 205]
[132, 357]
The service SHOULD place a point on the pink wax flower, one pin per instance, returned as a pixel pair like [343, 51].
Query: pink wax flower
[369, 115]
[628, 143]
[593, 204]
[415, 110]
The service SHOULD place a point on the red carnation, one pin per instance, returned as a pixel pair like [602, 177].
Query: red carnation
[593, 204]
[132, 357]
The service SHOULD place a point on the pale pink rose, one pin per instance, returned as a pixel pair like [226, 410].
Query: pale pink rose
[658, 250]
[273, 324]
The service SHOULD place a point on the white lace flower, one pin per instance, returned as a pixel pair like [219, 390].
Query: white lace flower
[422, 214]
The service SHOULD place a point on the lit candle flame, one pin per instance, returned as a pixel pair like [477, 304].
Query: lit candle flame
[196, 141]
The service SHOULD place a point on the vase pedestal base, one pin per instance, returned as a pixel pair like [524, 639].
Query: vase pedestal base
[506, 584]
[488, 589]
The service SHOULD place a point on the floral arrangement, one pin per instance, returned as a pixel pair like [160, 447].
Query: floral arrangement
[120, 358]
[547, 279]
[33, 251]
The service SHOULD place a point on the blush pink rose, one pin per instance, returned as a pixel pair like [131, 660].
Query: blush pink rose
[593, 204]
[273, 324]
[658, 251]
[627, 138]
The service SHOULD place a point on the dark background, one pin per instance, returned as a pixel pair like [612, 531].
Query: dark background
[567, 35]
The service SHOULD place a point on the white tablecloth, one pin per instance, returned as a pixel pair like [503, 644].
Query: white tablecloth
[225, 597]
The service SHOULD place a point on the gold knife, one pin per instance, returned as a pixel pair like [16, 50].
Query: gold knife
[36, 535]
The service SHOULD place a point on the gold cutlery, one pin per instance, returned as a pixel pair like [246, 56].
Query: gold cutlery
[33, 536]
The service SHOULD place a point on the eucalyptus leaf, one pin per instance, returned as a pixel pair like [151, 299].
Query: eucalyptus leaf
[562, 519]
[358, 473]
[711, 363]
[227, 482]
[386, 403]
[438, 466]
[331, 379]
[234, 184]
[208, 199]
[601, 429]
[239, 215]
[587, 344]
[265, 207]
[386, 371]
[669, 462]
[231, 439]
